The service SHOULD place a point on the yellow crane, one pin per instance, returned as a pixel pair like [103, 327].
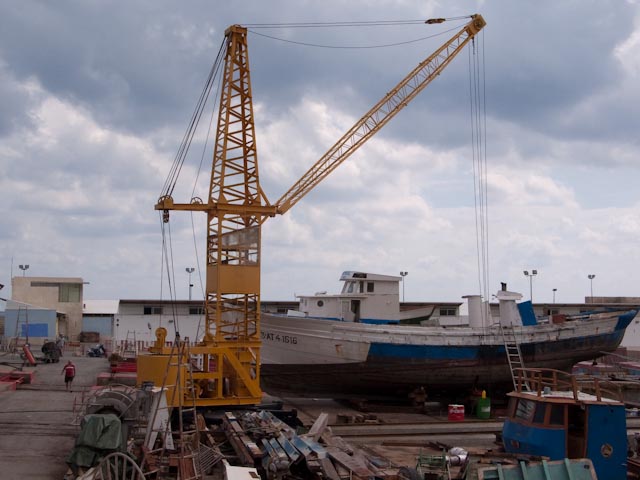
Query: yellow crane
[236, 209]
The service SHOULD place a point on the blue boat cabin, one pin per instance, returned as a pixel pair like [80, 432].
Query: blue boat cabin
[556, 415]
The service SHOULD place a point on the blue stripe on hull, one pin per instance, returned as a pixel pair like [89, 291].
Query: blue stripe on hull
[381, 352]
[431, 352]
[625, 320]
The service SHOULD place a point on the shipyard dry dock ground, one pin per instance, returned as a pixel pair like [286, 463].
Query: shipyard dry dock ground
[37, 429]
[39, 423]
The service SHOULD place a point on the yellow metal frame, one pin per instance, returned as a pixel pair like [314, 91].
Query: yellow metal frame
[235, 210]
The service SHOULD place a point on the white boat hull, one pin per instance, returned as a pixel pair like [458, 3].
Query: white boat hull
[318, 356]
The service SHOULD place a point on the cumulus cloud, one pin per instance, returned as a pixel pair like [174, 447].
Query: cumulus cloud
[95, 101]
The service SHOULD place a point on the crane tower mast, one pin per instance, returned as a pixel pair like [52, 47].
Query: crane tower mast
[237, 207]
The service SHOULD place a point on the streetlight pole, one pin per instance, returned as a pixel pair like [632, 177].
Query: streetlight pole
[554, 294]
[190, 270]
[591, 276]
[403, 274]
[530, 275]
[24, 268]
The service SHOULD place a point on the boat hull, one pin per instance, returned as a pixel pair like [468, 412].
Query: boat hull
[374, 360]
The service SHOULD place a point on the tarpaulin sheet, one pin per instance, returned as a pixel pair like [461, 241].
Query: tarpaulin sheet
[99, 436]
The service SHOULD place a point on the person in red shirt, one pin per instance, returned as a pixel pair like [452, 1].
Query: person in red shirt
[69, 371]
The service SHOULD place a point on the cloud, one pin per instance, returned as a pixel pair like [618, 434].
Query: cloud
[96, 99]
[626, 52]
[513, 188]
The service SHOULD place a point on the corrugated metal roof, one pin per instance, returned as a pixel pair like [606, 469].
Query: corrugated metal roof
[16, 305]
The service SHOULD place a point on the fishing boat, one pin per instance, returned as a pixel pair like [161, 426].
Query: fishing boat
[359, 342]
[557, 415]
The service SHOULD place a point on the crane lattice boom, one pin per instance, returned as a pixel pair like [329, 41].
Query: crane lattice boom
[381, 113]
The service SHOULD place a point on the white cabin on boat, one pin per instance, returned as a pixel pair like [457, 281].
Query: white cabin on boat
[374, 298]
[365, 297]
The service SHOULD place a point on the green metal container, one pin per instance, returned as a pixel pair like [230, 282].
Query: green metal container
[483, 408]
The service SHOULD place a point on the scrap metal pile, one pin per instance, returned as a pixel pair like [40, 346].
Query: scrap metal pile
[277, 450]
[128, 431]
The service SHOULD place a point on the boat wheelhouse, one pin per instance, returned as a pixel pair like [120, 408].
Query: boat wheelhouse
[557, 415]
[365, 298]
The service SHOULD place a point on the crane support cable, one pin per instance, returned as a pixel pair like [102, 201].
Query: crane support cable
[380, 114]
[167, 260]
[174, 173]
[477, 98]
[354, 47]
[366, 23]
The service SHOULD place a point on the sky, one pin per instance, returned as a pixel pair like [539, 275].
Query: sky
[96, 97]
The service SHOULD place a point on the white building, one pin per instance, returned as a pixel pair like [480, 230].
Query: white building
[143, 317]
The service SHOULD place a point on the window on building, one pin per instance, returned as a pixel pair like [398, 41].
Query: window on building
[69, 292]
[447, 312]
[369, 287]
[150, 310]
[196, 310]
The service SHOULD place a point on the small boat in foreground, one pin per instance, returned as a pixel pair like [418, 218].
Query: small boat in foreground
[557, 415]
[358, 342]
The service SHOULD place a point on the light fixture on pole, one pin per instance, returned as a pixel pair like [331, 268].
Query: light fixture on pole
[190, 270]
[24, 268]
[591, 276]
[530, 275]
[554, 294]
[403, 274]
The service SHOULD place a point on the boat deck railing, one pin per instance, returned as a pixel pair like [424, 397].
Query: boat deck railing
[543, 381]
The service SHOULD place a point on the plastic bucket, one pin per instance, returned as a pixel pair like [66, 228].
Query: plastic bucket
[483, 408]
[456, 413]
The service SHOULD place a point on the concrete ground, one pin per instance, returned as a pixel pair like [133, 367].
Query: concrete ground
[37, 429]
[38, 422]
